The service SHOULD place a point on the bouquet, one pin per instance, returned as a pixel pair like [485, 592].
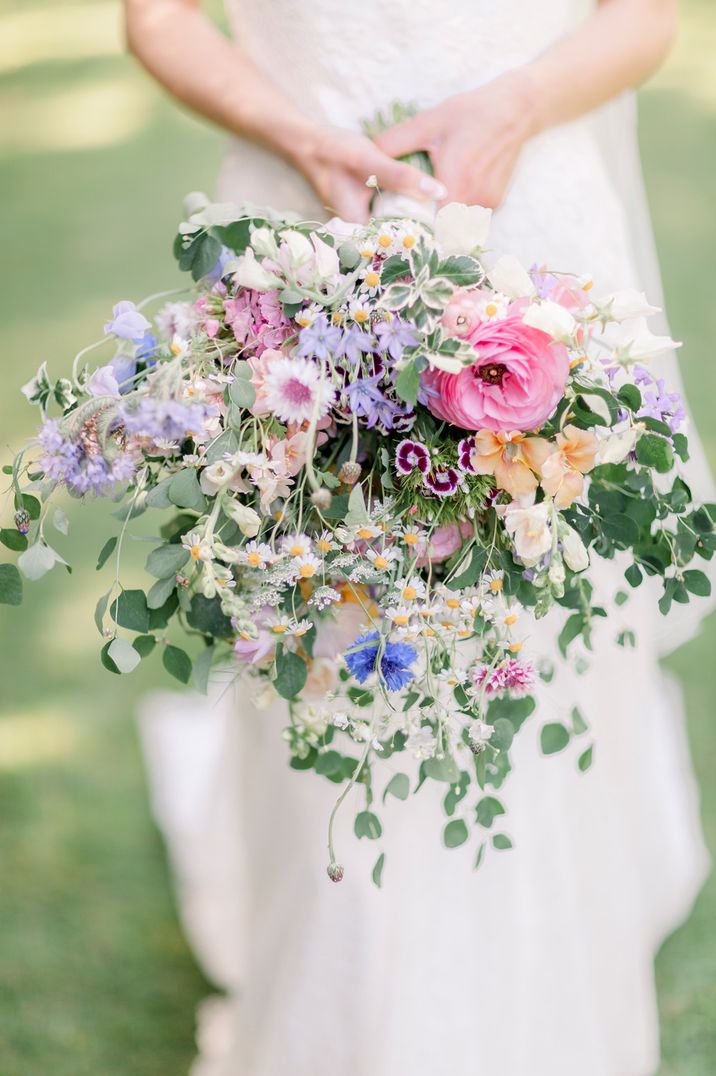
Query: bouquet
[381, 453]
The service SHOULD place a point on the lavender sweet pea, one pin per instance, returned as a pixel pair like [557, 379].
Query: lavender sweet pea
[127, 322]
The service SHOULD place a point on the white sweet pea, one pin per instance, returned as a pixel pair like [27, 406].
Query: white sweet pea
[617, 446]
[551, 318]
[626, 304]
[216, 477]
[574, 551]
[510, 276]
[530, 531]
[247, 520]
[460, 228]
[298, 247]
[264, 243]
[326, 259]
[251, 274]
[638, 343]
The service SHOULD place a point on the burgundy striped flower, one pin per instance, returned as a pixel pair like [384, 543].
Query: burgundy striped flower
[443, 483]
[465, 449]
[409, 455]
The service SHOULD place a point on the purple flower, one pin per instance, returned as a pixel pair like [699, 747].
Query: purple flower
[394, 336]
[409, 455]
[81, 464]
[319, 340]
[103, 382]
[354, 342]
[393, 668]
[443, 483]
[127, 322]
[165, 420]
[365, 398]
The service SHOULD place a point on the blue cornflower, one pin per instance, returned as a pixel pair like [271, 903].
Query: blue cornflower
[362, 660]
[319, 340]
[354, 342]
[147, 348]
[394, 336]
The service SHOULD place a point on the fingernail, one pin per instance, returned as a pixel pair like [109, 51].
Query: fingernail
[432, 187]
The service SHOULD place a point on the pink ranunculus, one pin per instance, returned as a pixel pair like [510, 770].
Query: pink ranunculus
[515, 383]
[444, 541]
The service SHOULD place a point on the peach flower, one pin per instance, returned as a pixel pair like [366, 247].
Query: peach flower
[514, 459]
[563, 470]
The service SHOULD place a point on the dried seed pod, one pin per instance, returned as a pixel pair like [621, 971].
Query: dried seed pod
[350, 472]
[321, 498]
[335, 872]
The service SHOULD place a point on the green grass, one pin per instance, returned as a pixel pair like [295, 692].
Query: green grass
[96, 977]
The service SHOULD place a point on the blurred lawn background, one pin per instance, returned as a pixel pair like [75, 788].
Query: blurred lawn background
[95, 977]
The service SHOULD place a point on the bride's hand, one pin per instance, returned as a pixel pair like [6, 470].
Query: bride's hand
[474, 138]
[337, 162]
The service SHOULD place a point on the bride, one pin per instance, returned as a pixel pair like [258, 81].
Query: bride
[539, 964]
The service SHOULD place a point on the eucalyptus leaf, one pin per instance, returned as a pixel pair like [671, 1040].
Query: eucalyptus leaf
[177, 663]
[455, 833]
[123, 654]
[166, 561]
[10, 585]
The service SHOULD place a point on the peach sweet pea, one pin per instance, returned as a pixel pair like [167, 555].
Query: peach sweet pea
[514, 459]
[563, 470]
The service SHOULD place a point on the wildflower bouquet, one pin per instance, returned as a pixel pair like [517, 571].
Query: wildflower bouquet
[380, 454]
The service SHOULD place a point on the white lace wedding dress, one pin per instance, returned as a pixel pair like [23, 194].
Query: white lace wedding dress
[540, 963]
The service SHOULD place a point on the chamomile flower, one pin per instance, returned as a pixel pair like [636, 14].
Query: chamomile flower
[493, 582]
[280, 623]
[383, 559]
[308, 315]
[296, 545]
[199, 548]
[256, 555]
[400, 615]
[297, 628]
[410, 590]
[368, 247]
[370, 282]
[385, 241]
[223, 577]
[359, 311]
[306, 566]
[413, 538]
[325, 543]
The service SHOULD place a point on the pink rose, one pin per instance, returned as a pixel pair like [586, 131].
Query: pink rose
[515, 383]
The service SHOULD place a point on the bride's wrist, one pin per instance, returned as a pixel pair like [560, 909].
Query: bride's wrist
[514, 99]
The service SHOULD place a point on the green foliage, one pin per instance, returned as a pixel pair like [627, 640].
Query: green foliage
[10, 585]
[177, 663]
[367, 825]
[291, 674]
[554, 737]
[455, 833]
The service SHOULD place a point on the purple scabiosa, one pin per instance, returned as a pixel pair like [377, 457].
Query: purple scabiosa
[442, 482]
[393, 667]
[319, 340]
[409, 455]
[81, 464]
[394, 336]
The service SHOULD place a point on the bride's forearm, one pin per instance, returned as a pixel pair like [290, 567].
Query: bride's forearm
[622, 44]
[206, 72]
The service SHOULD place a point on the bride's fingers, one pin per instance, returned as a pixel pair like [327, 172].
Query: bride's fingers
[415, 133]
[403, 178]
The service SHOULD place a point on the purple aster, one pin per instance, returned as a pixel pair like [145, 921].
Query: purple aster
[443, 483]
[394, 336]
[319, 340]
[355, 342]
[127, 322]
[393, 668]
[409, 455]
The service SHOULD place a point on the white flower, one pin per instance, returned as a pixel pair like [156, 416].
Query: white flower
[617, 446]
[638, 343]
[297, 246]
[296, 545]
[263, 240]
[551, 318]
[574, 551]
[293, 389]
[510, 276]
[199, 548]
[247, 520]
[103, 382]
[251, 274]
[257, 555]
[625, 304]
[530, 531]
[214, 477]
[479, 732]
[326, 263]
[460, 228]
